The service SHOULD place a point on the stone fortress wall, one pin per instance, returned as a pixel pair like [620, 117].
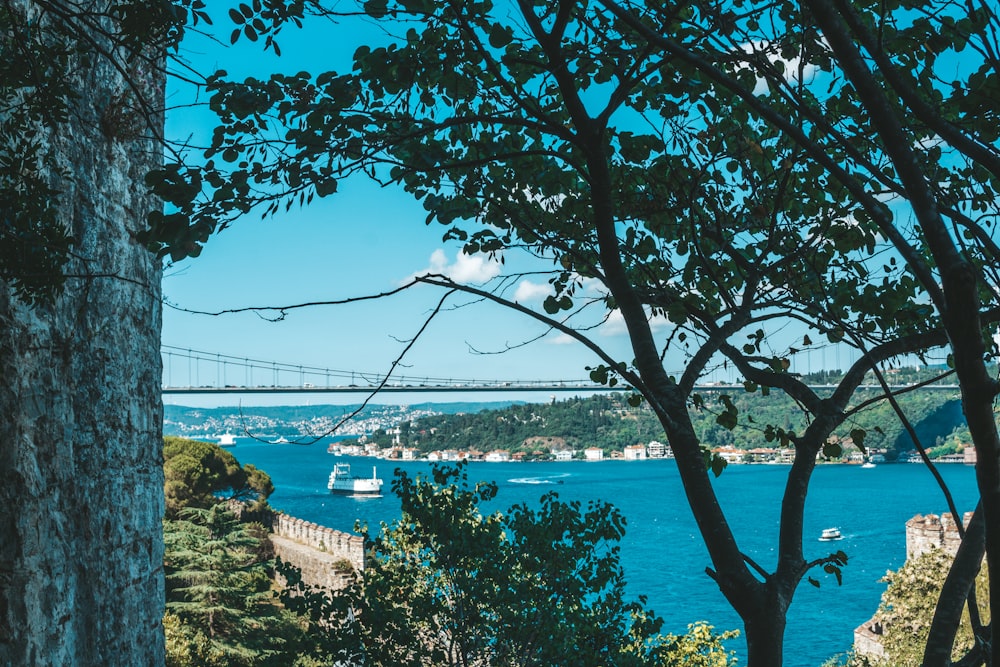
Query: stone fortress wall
[923, 533]
[325, 556]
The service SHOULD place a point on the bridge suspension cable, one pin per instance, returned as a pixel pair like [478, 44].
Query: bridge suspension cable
[214, 372]
[190, 371]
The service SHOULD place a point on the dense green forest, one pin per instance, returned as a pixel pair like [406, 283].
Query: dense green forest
[609, 421]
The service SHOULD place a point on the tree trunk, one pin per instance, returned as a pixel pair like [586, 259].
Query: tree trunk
[81, 480]
[765, 636]
[955, 593]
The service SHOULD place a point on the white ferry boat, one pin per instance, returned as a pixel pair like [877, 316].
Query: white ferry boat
[342, 481]
[227, 439]
[830, 534]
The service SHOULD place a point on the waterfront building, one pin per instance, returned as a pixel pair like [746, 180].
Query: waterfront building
[785, 455]
[657, 450]
[760, 455]
[730, 454]
[635, 453]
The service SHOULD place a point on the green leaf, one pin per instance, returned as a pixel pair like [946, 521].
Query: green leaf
[326, 186]
[376, 8]
[718, 464]
[500, 36]
[727, 420]
[858, 438]
[830, 568]
[832, 450]
[599, 375]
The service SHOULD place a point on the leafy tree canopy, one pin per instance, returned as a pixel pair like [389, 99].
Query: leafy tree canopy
[628, 146]
[907, 608]
[449, 585]
[197, 473]
[222, 609]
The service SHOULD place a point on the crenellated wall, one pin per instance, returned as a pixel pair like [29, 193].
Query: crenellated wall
[924, 533]
[320, 553]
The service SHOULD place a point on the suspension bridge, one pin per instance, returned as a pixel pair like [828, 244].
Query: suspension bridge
[200, 372]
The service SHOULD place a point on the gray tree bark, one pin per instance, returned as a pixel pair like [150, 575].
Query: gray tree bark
[81, 479]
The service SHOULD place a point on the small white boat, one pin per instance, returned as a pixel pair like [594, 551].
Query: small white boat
[830, 534]
[867, 464]
[227, 439]
[282, 440]
[342, 481]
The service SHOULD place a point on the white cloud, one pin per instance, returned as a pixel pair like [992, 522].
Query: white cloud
[615, 324]
[929, 142]
[658, 323]
[562, 339]
[465, 269]
[528, 291]
[790, 67]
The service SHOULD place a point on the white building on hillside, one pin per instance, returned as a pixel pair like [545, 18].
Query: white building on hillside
[635, 453]
[657, 450]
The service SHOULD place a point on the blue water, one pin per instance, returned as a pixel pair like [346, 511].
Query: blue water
[662, 553]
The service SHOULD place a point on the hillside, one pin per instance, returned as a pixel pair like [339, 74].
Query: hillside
[609, 422]
[302, 420]
[605, 420]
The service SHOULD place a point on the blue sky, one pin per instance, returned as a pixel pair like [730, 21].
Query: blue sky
[363, 240]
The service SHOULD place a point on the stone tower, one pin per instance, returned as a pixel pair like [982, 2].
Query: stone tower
[81, 479]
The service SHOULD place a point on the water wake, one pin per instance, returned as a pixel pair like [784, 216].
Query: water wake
[544, 479]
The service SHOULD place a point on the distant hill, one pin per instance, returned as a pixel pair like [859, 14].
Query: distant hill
[294, 420]
[605, 420]
[609, 422]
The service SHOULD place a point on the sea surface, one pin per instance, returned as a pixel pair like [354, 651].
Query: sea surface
[662, 553]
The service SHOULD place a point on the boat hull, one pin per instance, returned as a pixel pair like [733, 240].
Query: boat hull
[344, 483]
[356, 488]
[830, 535]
